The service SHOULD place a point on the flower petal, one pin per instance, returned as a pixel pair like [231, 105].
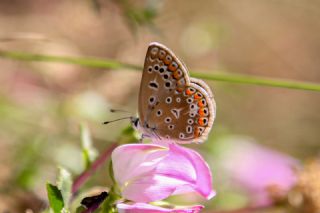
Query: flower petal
[132, 160]
[256, 168]
[187, 165]
[149, 172]
[147, 208]
[151, 187]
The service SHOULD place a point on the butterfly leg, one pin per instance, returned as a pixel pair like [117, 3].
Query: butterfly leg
[141, 138]
[155, 133]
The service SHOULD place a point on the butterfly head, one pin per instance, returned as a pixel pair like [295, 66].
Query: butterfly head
[145, 129]
[135, 122]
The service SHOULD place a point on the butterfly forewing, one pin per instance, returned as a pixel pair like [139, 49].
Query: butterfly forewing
[170, 105]
[158, 73]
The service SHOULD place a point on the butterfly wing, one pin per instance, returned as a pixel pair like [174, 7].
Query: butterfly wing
[206, 109]
[171, 105]
[157, 67]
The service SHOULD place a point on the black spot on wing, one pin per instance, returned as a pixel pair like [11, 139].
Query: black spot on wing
[154, 85]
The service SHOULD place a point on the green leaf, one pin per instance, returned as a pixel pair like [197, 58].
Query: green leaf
[88, 151]
[64, 184]
[55, 198]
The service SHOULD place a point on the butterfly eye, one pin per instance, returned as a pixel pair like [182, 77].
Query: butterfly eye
[159, 112]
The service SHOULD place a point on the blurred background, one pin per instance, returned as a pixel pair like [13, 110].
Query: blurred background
[43, 104]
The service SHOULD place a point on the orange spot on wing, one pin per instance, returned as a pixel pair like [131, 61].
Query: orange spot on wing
[172, 68]
[201, 121]
[200, 103]
[166, 61]
[176, 74]
[189, 92]
[197, 96]
[179, 89]
[162, 54]
[201, 112]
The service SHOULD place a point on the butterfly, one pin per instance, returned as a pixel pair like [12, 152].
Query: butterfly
[172, 105]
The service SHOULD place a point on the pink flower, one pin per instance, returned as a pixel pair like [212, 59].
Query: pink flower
[258, 169]
[147, 208]
[150, 172]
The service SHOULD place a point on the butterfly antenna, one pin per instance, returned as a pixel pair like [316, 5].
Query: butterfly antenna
[119, 119]
[119, 110]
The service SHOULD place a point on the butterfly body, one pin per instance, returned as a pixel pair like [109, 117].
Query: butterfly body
[172, 106]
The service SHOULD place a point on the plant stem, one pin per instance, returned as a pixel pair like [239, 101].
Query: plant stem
[113, 64]
[82, 178]
[86, 62]
[261, 81]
